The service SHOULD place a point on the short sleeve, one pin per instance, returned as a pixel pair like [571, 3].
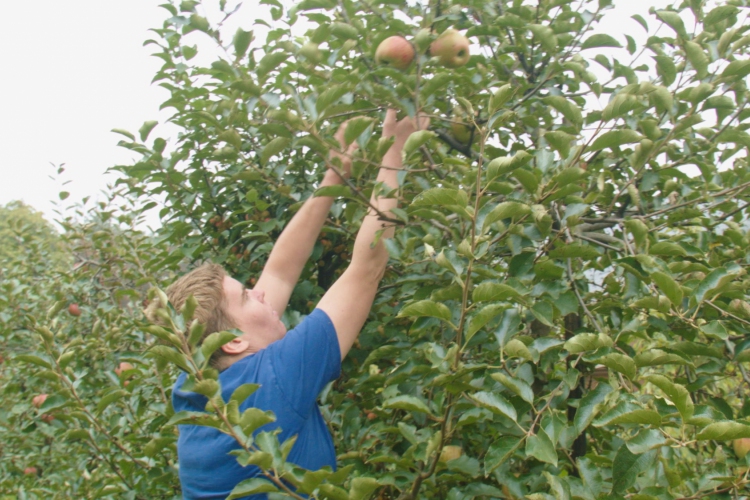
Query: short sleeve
[305, 360]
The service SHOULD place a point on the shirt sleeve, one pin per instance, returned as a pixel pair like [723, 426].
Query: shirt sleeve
[305, 360]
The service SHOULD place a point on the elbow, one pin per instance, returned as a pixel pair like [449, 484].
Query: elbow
[369, 264]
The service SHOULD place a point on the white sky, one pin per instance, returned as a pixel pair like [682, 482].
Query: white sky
[73, 70]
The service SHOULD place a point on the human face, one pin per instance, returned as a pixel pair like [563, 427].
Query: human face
[255, 317]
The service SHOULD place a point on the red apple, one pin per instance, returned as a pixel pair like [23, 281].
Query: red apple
[123, 367]
[451, 48]
[38, 401]
[395, 51]
[30, 471]
[47, 418]
[741, 447]
[74, 310]
[371, 416]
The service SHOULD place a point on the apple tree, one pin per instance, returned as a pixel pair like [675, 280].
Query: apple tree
[71, 424]
[565, 314]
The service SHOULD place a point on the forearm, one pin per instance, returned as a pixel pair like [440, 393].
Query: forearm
[366, 253]
[295, 244]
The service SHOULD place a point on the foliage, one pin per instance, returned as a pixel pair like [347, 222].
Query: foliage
[567, 299]
[96, 434]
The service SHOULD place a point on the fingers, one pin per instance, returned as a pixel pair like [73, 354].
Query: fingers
[390, 117]
[423, 122]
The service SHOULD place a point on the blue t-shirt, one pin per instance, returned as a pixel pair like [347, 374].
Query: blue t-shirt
[291, 372]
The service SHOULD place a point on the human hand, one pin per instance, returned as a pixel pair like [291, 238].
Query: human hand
[403, 128]
[346, 157]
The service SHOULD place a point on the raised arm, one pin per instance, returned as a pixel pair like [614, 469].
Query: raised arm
[350, 298]
[295, 244]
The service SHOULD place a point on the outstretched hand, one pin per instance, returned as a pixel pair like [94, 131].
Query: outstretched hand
[346, 157]
[402, 129]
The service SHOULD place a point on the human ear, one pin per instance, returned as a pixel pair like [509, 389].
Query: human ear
[237, 345]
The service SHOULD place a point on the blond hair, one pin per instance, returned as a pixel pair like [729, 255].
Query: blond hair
[206, 284]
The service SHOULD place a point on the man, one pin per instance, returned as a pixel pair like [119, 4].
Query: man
[291, 367]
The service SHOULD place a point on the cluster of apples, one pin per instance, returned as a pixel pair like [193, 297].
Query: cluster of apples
[451, 49]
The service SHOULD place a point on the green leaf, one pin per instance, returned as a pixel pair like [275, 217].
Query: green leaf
[171, 355]
[666, 69]
[661, 98]
[657, 357]
[698, 58]
[517, 349]
[667, 249]
[716, 330]
[645, 440]
[560, 141]
[416, 140]
[336, 191]
[426, 308]
[546, 36]
[719, 14]
[251, 487]
[329, 96]
[437, 197]
[501, 96]
[274, 147]
[586, 342]
[724, 431]
[243, 392]
[270, 62]
[34, 360]
[505, 210]
[568, 108]
[215, 341]
[108, 399]
[146, 129]
[253, 419]
[575, 250]
[600, 40]
[516, 386]
[615, 138]
[626, 467]
[739, 69]
[641, 417]
[540, 446]
[589, 406]
[464, 464]
[673, 20]
[620, 363]
[500, 452]
[495, 403]
[344, 31]
[677, 394]
[505, 164]
[355, 127]
[669, 286]
[484, 316]
[620, 105]
[241, 42]
[362, 488]
[491, 292]
[715, 279]
[406, 402]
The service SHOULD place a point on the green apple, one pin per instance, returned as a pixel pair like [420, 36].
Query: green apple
[451, 48]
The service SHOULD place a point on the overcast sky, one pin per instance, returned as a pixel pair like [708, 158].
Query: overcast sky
[73, 70]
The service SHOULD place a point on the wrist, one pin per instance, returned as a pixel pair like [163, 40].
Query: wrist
[331, 178]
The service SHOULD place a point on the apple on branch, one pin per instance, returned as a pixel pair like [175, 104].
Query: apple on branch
[74, 310]
[395, 51]
[451, 48]
[38, 401]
